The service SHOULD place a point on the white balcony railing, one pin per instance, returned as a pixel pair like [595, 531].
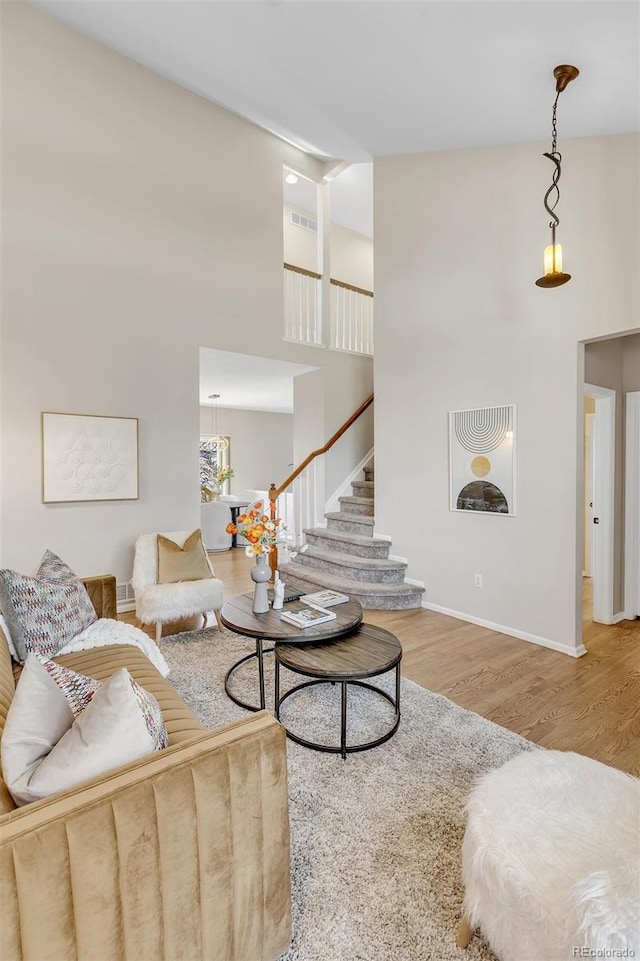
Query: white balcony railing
[351, 318]
[302, 313]
[351, 312]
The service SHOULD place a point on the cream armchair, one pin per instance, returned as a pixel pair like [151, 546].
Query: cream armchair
[214, 518]
[161, 603]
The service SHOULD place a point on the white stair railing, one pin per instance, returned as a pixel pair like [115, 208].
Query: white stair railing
[308, 499]
[308, 484]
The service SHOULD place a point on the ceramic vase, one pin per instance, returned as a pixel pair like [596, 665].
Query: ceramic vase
[260, 575]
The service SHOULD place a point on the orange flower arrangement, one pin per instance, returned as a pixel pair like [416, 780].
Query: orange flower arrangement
[262, 533]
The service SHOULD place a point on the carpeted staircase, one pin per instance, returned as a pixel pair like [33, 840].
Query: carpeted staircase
[345, 556]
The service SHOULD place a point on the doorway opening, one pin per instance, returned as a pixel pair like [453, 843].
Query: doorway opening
[610, 513]
[599, 485]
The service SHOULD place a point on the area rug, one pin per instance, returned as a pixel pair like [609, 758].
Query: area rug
[375, 838]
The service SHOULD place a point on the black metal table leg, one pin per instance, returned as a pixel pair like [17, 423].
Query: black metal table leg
[259, 653]
[260, 671]
[343, 722]
[342, 748]
[276, 694]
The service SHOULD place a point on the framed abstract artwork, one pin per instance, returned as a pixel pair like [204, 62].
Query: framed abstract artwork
[89, 458]
[482, 460]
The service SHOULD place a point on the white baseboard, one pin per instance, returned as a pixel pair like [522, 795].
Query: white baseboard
[414, 582]
[622, 616]
[511, 631]
[396, 557]
[123, 606]
[382, 537]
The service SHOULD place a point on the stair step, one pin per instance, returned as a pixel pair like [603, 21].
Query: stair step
[364, 569]
[357, 505]
[363, 488]
[393, 597]
[356, 523]
[346, 542]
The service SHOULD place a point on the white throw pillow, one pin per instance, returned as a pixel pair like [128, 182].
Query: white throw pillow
[47, 746]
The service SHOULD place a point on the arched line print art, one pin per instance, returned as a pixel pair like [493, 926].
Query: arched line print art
[481, 431]
[482, 460]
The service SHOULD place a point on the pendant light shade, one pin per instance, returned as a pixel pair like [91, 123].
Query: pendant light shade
[553, 275]
[215, 442]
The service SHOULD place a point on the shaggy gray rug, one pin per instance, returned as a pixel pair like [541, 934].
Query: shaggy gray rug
[376, 838]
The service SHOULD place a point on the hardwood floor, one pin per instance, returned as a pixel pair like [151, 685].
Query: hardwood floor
[589, 704]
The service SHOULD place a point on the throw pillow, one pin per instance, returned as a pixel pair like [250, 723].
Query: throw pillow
[50, 743]
[186, 563]
[45, 611]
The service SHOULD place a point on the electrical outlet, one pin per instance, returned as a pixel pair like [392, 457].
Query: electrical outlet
[477, 580]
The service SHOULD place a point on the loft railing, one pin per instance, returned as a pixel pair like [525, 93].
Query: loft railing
[308, 495]
[351, 311]
[351, 318]
[302, 313]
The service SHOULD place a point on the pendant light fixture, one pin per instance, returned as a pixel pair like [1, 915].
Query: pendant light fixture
[215, 441]
[553, 274]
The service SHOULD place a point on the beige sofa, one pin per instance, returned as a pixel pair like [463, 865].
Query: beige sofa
[182, 855]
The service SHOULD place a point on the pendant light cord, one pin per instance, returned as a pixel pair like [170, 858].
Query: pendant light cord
[556, 157]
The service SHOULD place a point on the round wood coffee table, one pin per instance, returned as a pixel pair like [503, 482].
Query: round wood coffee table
[237, 615]
[365, 653]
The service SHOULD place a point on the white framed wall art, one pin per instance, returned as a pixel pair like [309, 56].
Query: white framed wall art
[482, 461]
[86, 457]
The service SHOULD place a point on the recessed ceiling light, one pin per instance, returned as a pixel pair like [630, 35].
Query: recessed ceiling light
[291, 179]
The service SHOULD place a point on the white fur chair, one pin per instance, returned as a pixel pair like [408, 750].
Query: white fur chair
[160, 603]
[550, 859]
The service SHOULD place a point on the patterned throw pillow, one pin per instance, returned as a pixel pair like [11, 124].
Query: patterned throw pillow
[78, 689]
[150, 710]
[47, 610]
[51, 743]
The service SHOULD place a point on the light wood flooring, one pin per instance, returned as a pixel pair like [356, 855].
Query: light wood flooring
[589, 704]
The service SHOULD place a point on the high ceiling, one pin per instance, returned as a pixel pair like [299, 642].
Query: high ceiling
[246, 382]
[354, 80]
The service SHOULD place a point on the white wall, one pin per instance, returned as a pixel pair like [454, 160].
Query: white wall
[260, 449]
[459, 323]
[351, 253]
[141, 222]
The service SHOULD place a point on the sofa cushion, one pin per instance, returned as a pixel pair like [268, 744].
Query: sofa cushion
[7, 691]
[45, 611]
[182, 563]
[102, 662]
[52, 741]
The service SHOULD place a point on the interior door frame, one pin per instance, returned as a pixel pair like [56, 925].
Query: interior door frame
[588, 495]
[603, 499]
[632, 507]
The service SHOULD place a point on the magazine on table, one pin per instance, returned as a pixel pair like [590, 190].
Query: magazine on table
[308, 616]
[326, 598]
